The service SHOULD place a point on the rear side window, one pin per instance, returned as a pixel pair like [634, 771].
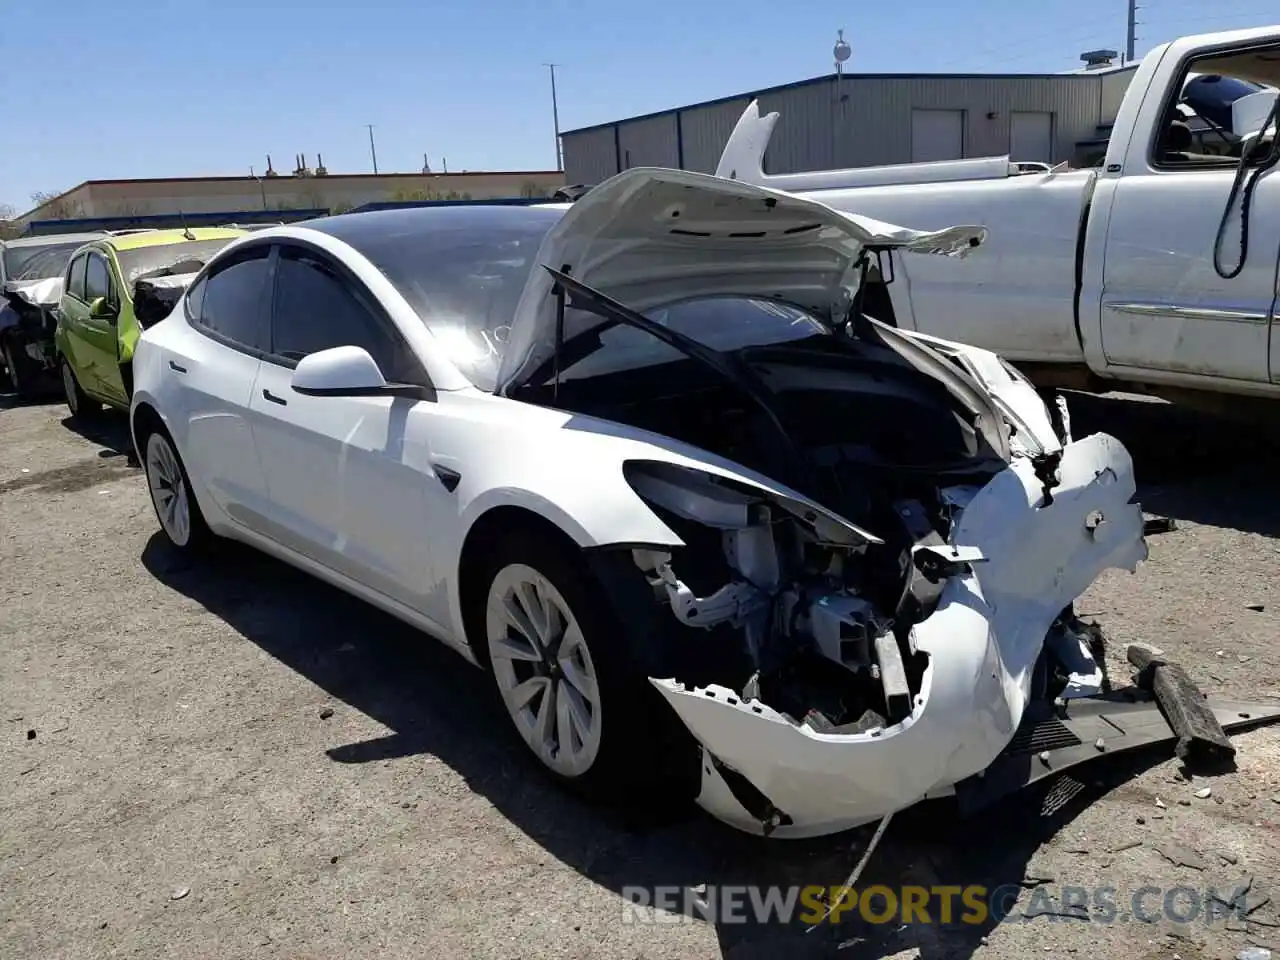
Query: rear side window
[316, 309]
[232, 301]
[75, 281]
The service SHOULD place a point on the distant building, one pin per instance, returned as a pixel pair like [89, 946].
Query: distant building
[304, 189]
[870, 119]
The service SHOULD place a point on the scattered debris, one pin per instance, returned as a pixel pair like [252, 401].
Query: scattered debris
[1243, 659]
[1180, 856]
[1184, 802]
[1254, 953]
[1036, 879]
[1142, 820]
[1255, 607]
[31, 734]
[1229, 857]
[179, 893]
[1127, 845]
[334, 858]
[326, 713]
[1220, 653]
[1159, 803]
[1204, 793]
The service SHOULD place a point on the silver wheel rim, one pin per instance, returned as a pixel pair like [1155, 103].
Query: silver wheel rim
[69, 386]
[544, 670]
[168, 492]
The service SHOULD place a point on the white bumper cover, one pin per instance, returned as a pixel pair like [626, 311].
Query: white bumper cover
[983, 641]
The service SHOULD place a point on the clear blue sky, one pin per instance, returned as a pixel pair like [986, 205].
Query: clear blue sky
[198, 87]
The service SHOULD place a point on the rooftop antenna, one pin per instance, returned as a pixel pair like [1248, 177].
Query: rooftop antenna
[841, 52]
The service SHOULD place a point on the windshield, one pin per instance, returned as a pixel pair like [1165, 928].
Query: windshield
[159, 261]
[724, 324]
[38, 263]
[461, 270]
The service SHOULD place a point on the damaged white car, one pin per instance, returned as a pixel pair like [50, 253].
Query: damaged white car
[711, 530]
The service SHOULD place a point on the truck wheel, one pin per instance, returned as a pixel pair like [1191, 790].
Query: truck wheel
[81, 405]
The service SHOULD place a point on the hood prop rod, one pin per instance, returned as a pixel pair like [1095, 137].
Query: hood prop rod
[561, 296]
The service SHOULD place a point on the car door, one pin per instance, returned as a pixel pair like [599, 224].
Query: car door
[1164, 304]
[349, 477]
[72, 313]
[211, 367]
[98, 328]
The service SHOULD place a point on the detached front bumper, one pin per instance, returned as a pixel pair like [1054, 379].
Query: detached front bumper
[763, 773]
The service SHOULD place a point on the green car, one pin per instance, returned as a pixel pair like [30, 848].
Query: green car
[114, 287]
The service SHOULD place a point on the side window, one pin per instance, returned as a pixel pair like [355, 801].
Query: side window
[75, 276]
[1221, 99]
[195, 298]
[232, 302]
[97, 278]
[316, 309]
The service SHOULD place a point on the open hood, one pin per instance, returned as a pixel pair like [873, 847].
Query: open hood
[37, 293]
[651, 236]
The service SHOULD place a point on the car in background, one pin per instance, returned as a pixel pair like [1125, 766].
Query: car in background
[31, 272]
[113, 288]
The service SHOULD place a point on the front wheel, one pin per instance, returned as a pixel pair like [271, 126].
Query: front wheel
[563, 668]
[175, 505]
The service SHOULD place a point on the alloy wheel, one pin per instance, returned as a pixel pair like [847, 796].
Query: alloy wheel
[544, 669]
[168, 489]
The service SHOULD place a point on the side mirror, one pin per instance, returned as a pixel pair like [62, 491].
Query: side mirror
[101, 309]
[347, 372]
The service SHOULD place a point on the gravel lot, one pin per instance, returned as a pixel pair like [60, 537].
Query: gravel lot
[175, 785]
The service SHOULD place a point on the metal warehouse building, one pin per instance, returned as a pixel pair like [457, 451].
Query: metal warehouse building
[857, 120]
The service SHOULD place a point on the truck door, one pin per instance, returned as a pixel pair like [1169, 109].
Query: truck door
[1165, 306]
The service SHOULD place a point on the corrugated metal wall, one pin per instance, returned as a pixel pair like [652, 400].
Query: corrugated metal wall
[866, 121]
[652, 142]
[1114, 86]
[590, 156]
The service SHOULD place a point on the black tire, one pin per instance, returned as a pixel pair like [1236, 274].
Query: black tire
[80, 404]
[18, 366]
[165, 471]
[645, 758]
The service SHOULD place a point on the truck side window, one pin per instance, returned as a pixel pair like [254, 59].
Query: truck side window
[1216, 95]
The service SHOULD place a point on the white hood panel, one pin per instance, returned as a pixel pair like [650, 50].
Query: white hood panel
[650, 236]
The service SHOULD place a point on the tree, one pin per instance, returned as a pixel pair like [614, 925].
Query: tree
[56, 206]
[9, 228]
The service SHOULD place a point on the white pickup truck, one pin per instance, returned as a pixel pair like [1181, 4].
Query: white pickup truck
[1132, 275]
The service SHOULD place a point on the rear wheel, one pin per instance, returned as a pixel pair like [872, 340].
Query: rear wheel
[81, 405]
[175, 505]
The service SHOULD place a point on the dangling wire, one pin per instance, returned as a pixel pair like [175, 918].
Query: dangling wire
[1271, 158]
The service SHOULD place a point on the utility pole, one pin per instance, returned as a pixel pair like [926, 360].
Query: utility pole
[1132, 35]
[555, 115]
[372, 150]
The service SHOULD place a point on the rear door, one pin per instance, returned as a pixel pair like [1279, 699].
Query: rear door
[349, 477]
[211, 368]
[98, 333]
[73, 311]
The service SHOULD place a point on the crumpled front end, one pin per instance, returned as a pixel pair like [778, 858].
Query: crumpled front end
[944, 694]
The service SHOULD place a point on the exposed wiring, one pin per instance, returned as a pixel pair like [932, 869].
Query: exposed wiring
[1259, 167]
[858, 868]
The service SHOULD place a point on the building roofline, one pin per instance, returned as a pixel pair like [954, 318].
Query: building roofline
[825, 78]
[290, 178]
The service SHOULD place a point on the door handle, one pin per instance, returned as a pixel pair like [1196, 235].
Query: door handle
[173, 366]
[267, 394]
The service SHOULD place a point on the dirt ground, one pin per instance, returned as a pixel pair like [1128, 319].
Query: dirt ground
[175, 784]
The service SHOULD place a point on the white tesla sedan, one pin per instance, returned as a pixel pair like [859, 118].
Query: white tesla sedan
[642, 458]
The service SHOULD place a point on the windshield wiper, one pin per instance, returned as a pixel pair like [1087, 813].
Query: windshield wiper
[732, 368]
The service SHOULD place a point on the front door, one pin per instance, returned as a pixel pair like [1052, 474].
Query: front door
[349, 477]
[1166, 306]
[73, 314]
